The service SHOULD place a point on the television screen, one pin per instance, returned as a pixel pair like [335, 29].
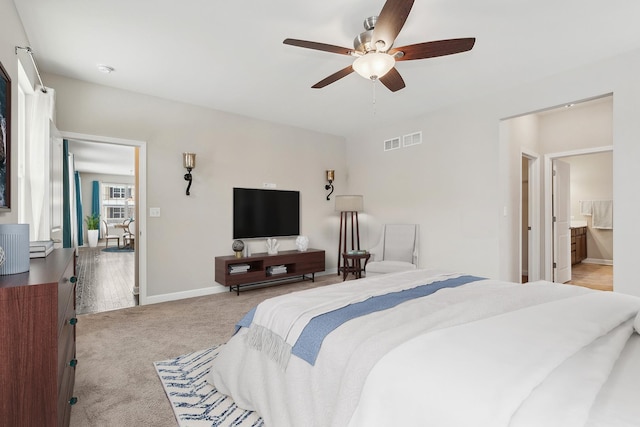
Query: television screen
[265, 213]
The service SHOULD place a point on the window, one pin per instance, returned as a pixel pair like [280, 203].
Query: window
[116, 213]
[117, 193]
[118, 202]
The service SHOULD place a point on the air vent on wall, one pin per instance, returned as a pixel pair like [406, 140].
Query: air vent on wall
[412, 139]
[392, 144]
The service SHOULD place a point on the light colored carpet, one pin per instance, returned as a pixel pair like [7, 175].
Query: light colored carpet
[116, 382]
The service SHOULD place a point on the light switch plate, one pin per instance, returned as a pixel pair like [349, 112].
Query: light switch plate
[154, 212]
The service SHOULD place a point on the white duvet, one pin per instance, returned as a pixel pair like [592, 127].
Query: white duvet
[487, 353]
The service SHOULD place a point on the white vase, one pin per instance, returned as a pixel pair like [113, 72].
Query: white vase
[272, 246]
[92, 237]
[302, 242]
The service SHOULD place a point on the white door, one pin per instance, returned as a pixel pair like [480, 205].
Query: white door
[561, 222]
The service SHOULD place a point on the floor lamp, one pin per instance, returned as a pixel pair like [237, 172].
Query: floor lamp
[348, 206]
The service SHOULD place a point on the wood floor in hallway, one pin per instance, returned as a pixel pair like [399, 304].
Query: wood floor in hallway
[594, 276]
[105, 280]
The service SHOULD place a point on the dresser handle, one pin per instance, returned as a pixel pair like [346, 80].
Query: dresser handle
[73, 363]
[73, 279]
[73, 400]
[73, 320]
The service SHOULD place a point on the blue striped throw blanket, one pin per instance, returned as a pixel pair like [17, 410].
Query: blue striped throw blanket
[306, 345]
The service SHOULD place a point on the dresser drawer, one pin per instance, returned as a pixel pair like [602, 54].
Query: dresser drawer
[38, 342]
[66, 349]
[65, 396]
[66, 287]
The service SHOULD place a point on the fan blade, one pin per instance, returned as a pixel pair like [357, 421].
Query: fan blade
[392, 17]
[318, 46]
[333, 77]
[433, 49]
[392, 80]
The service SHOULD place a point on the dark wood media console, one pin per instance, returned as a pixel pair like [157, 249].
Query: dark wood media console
[298, 265]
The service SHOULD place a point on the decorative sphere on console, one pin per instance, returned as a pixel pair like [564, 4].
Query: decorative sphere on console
[237, 246]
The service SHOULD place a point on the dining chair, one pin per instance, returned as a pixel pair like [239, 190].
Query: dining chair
[106, 236]
[129, 236]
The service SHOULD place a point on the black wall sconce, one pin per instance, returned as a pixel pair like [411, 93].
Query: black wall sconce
[189, 162]
[329, 186]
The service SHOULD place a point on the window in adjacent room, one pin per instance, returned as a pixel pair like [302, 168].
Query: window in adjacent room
[118, 202]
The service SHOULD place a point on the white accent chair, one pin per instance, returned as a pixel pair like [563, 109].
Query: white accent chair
[396, 251]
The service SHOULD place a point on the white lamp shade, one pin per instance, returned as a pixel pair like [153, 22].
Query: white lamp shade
[349, 203]
[374, 65]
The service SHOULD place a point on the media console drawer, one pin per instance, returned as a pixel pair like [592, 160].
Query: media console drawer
[262, 268]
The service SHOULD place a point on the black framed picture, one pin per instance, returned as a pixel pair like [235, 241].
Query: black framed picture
[5, 139]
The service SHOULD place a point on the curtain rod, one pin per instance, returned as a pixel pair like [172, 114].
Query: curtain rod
[33, 61]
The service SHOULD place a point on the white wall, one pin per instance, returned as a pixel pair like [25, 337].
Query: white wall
[232, 151]
[448, 184]
[460, 182]
[11, 35]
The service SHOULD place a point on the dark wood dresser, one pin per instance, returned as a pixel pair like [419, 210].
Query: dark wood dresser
[38, 343]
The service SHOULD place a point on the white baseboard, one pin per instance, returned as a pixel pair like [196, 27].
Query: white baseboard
[155, 299]
[215, 289]
[597, 261]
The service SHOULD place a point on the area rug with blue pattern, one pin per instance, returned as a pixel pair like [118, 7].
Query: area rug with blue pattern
[195, 402]
[117, 249]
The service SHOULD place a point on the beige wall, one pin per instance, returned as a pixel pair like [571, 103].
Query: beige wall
[592, 179]
[581, 126]
[86, 182]
[232, 151]
[462, 184]
[560, 130]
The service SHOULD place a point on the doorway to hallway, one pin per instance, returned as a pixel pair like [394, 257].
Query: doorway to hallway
[105, 280]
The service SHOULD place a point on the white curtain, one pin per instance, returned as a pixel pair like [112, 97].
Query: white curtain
[73, 212]
[37, 167]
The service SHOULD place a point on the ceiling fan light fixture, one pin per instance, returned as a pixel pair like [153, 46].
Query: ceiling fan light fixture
[374, 65]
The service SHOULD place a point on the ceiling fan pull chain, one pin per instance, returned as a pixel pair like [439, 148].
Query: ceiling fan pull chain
[373, 94]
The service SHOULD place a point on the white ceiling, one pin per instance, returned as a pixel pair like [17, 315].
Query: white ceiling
[229, 55]
[102, 158]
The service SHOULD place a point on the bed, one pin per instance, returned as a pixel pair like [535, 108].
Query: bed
[428, 347]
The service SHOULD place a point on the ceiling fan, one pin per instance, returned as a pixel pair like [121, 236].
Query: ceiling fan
[374, 51]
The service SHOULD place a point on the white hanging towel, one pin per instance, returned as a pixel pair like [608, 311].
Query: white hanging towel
[586, 207]
[602, 214]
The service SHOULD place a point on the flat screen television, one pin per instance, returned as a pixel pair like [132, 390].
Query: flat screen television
[265, 213]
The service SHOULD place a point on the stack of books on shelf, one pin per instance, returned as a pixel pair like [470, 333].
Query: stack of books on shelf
[277, 269]
[40, 249]
[239, 268]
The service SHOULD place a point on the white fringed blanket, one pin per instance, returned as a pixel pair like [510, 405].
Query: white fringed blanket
[477, 349]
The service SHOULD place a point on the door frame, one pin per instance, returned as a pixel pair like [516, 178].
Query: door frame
[533, 269]
[561, 220]
[548, 204]
[141, 200]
